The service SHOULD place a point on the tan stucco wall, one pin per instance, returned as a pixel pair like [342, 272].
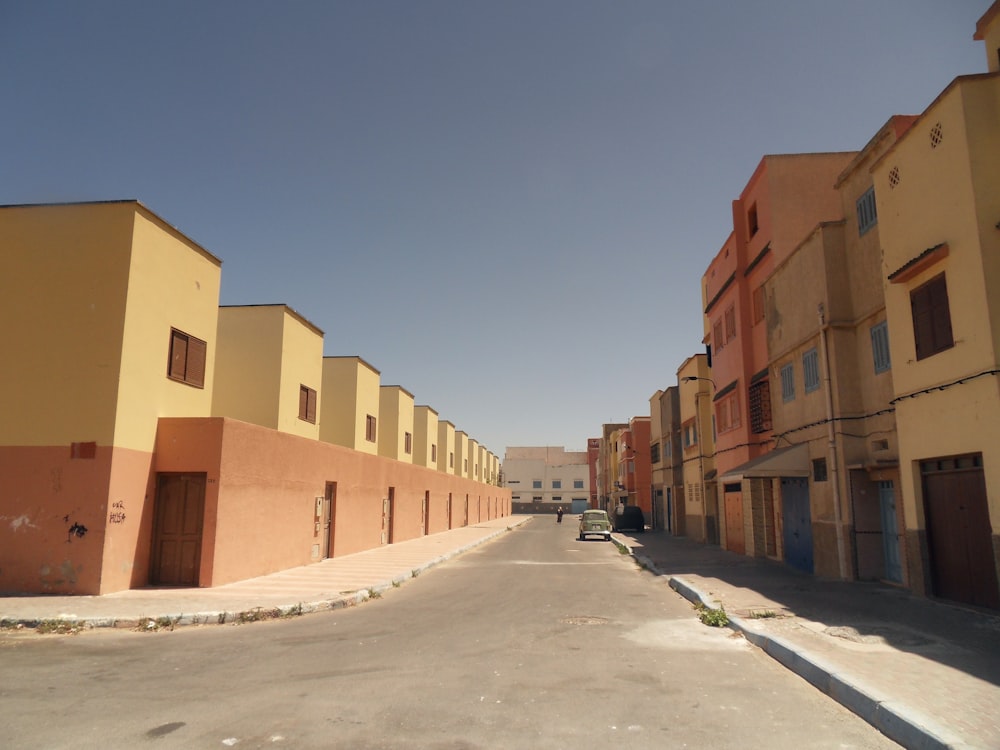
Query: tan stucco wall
[446, 447]
[248, 364]
[425, 436]
[63, 290]
[462, 454]
[301, 358]
[946, 194]
[395, 406]
[265, 353]
[350, 394]
[172, 284]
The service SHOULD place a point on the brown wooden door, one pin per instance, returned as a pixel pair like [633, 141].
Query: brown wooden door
[734, 522]
[959, 533]
[178, 520]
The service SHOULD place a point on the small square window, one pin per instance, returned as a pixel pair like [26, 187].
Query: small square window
[819, 470]
[307, 404]
[556, 484]
[577, 484]
[186, 361]
[536, 484]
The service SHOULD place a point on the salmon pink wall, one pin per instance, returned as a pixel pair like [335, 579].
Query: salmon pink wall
[262, 485]
[52, 511]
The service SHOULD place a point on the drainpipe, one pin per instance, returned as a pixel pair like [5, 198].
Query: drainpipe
[832, 447]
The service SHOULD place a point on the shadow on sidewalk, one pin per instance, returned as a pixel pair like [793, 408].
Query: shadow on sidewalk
[957, 636]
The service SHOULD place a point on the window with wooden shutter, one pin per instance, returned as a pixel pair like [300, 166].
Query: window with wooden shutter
[717, 336]
[931, 317]
[307, 404]
[370, 429]
[187, 359]
[730, 323]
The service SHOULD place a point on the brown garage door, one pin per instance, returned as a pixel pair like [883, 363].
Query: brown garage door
[959, 534]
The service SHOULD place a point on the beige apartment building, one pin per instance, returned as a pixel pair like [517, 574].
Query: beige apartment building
[938, 197]
[697, 449]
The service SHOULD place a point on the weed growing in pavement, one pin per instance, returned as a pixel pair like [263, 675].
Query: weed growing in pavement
[715, 618]
[415, 572]
[59, 627]
[762, 614]
[396, 584]
[373, 594]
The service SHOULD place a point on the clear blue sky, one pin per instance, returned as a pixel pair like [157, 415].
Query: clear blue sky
[494, 203]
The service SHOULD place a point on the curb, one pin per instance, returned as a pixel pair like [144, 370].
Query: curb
[255, 614]
[891, 719]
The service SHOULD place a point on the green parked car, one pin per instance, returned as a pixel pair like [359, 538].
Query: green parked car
[595, 523]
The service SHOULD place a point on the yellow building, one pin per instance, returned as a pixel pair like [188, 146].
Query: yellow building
[938, 199]
[462, 454]
[446, 447]
[697, 445]
[349, 413]
[425, 436]
[111, 315]
[395, 438]
[473, 452]
[269, 368]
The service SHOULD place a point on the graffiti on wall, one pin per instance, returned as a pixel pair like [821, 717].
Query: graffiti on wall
[117, 514]
[77, 529]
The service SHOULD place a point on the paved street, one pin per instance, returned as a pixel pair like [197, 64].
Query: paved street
[533, 640]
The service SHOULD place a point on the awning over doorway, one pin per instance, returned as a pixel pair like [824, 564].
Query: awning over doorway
[792, 461]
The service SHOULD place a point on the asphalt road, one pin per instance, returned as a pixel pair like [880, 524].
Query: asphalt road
[536, 640]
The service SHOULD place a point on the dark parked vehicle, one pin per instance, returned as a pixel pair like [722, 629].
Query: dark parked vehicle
[630, 519]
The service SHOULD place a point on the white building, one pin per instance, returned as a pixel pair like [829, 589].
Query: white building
[542, 479]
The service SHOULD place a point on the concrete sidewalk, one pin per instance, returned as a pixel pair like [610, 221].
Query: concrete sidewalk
[924, 672]
[333, 583]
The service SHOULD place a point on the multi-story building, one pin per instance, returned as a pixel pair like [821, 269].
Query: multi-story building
[823, 499]
[630, 454]
[786, 197]
[593, 454]
[664, 458]
[542, 479]
[937, 192]
[696, 453]
[607, 466]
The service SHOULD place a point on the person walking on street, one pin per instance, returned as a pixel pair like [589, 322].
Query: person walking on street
[559, 514]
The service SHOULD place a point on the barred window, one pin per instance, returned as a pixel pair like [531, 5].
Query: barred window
[759, 399]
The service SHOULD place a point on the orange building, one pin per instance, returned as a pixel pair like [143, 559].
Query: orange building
[786, 197]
